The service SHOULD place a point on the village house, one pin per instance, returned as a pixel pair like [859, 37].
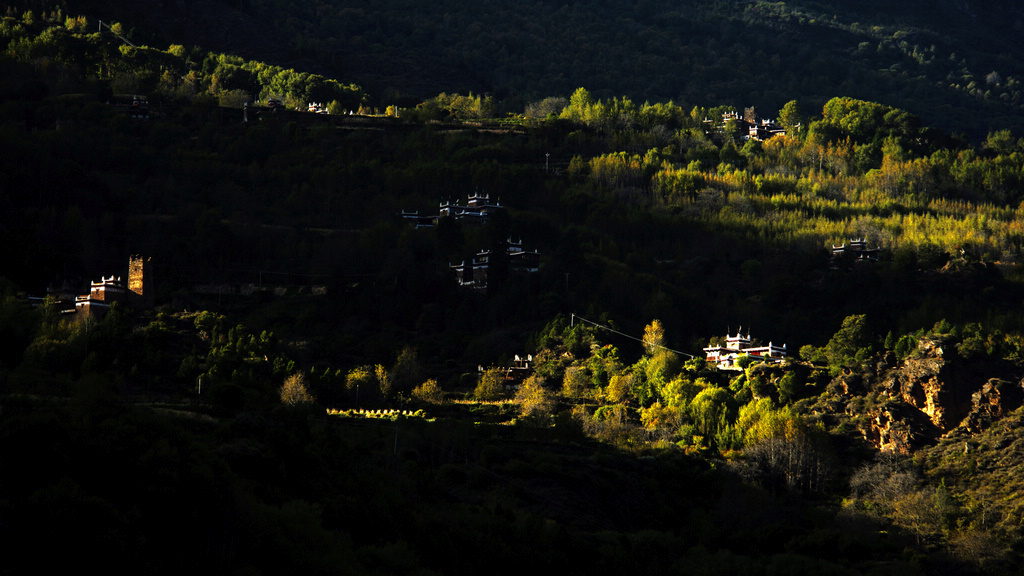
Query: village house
[104, 292]
[134, 105]
[317, 108]
[252, 113]
[857, 248]
[474, 274]
[101, 295]
[520, 260]
[724, 357]
[414, 219]
[513, 375]
[475, 211]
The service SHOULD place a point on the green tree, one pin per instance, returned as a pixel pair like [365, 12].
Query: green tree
[661, 368]
[851, 343]
[790, 116]
[1000, 142]
[406, 372]
[580, 105]
[709, 410]
[790, 387]
[678, 392]
[743, 361]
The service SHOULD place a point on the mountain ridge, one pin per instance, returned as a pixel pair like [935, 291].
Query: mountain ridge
[953, 73]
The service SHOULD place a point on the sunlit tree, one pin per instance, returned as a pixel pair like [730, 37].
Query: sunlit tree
[294, 391]
[534, 400]
[654, 337]
[490, 385]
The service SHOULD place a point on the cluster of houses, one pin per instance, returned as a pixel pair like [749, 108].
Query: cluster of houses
[477, 209]
[105, 291]
[722, 357]
[317, 108]
[473, 274]
[749, 125]
[251, 112]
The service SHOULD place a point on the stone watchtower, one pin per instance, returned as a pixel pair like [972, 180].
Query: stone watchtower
[140, 289]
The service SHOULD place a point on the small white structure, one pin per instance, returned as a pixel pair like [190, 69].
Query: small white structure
[735, 346]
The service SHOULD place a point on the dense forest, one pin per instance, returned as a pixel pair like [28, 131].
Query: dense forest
[313, 388]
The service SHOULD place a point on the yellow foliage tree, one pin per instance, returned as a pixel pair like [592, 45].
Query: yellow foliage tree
[383, 380]
[489, 386]
[654, 337]
[429, 392]
[534, 400]
[294, 391]
[575, 382]
[620, 388]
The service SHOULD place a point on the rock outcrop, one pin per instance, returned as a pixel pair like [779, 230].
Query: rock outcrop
[933, 384]
[935, 392]
[996, 399]
[899, 428]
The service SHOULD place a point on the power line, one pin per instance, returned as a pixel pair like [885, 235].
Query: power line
[123, 39]
[640, 340]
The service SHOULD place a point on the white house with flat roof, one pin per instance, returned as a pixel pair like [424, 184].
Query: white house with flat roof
[735, 346]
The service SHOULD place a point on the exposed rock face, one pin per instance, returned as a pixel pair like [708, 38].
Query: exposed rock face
[996, 399]
[932, 384]
[898, 429]
[937, 393]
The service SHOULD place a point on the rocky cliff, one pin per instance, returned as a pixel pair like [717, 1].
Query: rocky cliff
[935, 393]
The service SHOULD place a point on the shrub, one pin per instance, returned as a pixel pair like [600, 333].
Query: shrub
[429, 392]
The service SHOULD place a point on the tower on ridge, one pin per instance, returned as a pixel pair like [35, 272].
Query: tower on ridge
[142, 293]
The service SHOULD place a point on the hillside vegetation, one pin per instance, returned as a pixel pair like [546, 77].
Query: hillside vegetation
[955, 64]
[315, 391]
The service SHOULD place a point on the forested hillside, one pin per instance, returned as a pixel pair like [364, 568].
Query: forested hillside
[954, 64]
[310, 386]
